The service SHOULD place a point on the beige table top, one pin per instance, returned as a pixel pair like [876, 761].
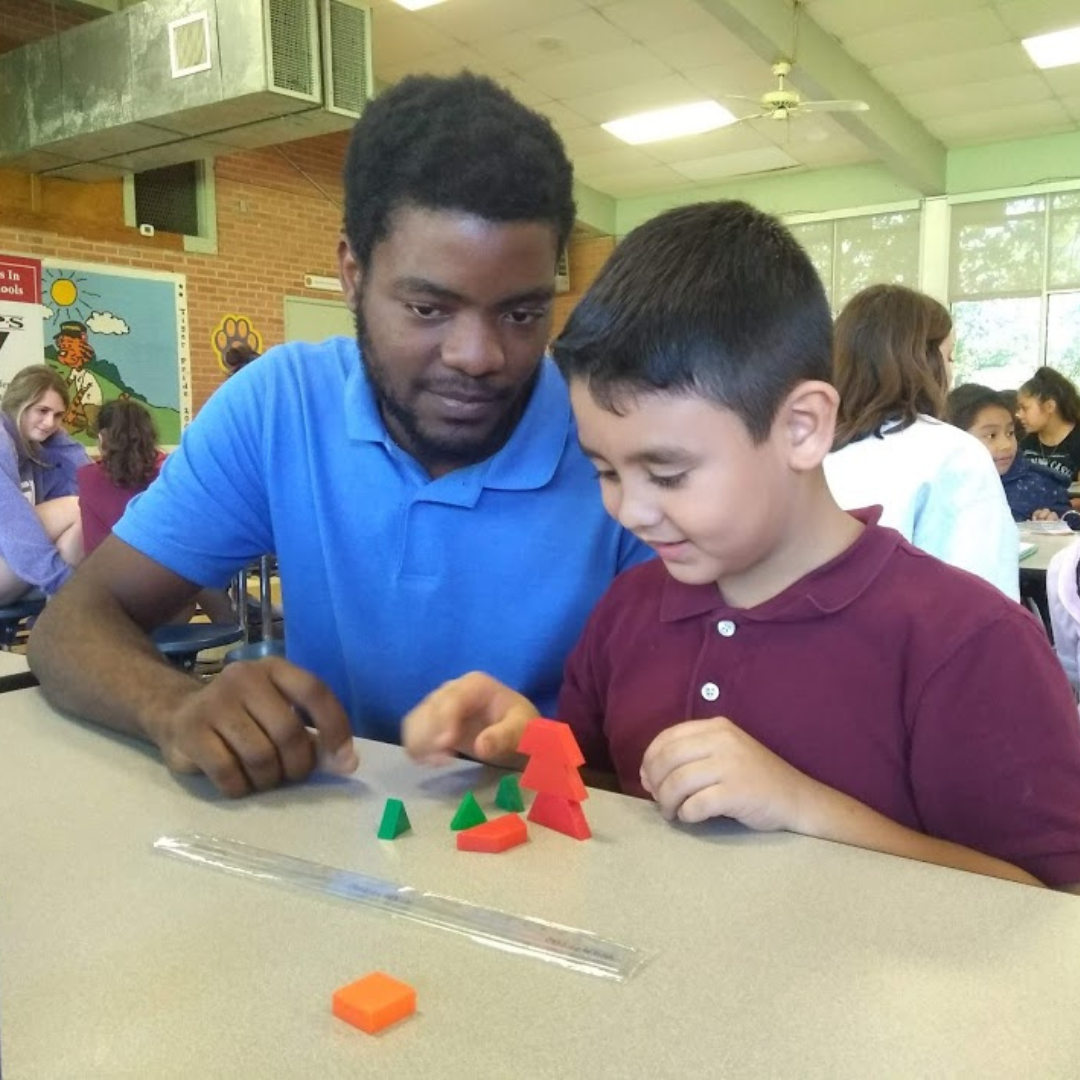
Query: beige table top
[12, 663]
[770, 955]
[1048, 546]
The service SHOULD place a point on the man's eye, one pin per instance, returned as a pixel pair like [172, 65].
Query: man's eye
[425, 311]
[668, 481]
[524, 317]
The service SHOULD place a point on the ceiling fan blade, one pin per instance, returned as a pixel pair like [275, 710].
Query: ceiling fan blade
[747, 119]
[833, 106]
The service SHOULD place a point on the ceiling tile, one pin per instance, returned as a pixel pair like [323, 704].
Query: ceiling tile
[621, 159]
[478, 20]
[400, 38]
[977, 97]
[1063, 81]
[727, 140]
[628, 185]
[1025, 18]
[929, 37]
[590, 140]
[703, 170]
[959, 68]
[847, 18]
[605, 71]
[702, 48]
[645, 20]
[557, 41]
[1043, 117]
[633, 97]
[564, 118]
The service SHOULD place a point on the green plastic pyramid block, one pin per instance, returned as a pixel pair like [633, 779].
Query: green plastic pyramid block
[468, 813]
[508, 797]
[394, 820]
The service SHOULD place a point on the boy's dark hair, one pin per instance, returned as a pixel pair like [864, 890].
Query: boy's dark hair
[887, 361]
[1050, 385]
[965, 403]
[716, 299]
[461, 143]
[128, 442]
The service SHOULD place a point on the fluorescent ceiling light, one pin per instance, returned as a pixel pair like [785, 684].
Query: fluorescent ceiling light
[692, 119]
[416, 5]
[1055, 50]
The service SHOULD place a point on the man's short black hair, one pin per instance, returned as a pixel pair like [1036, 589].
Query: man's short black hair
[459, 143]
[716, 299]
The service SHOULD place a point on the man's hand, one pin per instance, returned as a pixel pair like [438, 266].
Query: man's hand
[711, 768]
[250, 728]
[475, 715]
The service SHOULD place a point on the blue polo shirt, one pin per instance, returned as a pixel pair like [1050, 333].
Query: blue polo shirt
[392, 582]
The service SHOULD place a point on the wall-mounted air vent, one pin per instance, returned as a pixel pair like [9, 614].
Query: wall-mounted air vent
[189, 44]
[293, 37]
[347, 70]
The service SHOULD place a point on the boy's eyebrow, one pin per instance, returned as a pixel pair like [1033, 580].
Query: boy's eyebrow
[430, 288]
[651, 455]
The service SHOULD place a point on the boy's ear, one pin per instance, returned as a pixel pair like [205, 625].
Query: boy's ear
[350, 274]
[807, 423]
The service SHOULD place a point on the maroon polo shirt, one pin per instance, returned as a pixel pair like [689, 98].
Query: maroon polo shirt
[915, 687]
[102, 503]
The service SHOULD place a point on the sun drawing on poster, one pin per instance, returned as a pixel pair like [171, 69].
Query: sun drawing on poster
[69, 300]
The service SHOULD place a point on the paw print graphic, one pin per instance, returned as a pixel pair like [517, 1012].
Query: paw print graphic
[237, 342]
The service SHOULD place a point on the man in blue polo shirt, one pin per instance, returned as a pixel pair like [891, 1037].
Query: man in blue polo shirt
[421, 486]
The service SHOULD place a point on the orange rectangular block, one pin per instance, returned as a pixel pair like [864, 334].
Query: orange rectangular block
[495, 835]
[553, 740]
[374, 1002]
[553, 778]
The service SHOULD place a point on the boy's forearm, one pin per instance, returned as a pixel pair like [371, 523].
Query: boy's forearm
[829, 814]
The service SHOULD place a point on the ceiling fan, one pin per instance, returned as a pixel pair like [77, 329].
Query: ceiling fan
[783, 103]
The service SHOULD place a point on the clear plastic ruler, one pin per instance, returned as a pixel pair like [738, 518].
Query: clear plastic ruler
[577, 950]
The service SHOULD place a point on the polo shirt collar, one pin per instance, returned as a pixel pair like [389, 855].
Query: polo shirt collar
[527, 461]
[824, 591]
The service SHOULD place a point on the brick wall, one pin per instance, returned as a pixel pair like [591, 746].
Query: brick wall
[587, 256]
[23, 21]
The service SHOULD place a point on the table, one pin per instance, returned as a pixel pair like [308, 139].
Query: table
[770, 955]
[1049, 544]
[14, 671]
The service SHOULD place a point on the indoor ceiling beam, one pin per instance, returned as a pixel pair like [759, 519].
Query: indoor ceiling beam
[824, 70]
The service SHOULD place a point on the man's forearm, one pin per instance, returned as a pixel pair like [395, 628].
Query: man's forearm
[94, 661]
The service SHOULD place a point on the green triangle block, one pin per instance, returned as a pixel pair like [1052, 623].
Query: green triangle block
[508, 797]
[394, 820]
[468, 813]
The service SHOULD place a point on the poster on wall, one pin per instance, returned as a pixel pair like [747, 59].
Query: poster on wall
[116, 332]
[21, 334]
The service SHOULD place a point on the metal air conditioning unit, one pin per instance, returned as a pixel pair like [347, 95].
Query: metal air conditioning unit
[168, 81]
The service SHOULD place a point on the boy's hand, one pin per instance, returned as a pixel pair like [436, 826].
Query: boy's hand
[255, 726]
[711, 768]
[1044, 515]
[474, 715]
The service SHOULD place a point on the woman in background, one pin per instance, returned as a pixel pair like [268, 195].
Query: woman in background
[936, 485]
[130, 462]
[40, 529]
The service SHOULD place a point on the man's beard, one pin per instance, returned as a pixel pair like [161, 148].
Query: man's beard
[430, 450]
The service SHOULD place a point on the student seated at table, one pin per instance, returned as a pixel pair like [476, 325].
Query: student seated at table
[783, 662]
[40, 530]
[1048, 405]
[1033, 491]
[935, 485]
[130, 461]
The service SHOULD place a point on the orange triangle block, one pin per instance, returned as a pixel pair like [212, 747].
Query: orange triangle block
[541, 774]
[495, 835]
[553, 740]
[562, 815]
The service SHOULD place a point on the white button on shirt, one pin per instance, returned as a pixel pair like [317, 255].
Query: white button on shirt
[726, 628]
[710, 691]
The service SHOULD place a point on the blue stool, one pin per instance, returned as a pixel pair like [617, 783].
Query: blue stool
[181, 643]
[12, 616]
[256, 650]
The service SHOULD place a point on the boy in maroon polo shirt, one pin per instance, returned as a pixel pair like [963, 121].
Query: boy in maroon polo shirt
[783, 662]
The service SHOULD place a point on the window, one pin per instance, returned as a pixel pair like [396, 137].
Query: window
[851, 253]
[1015, 287]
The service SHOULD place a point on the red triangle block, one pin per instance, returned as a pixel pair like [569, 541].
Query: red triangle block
[553, 740]
[554, 779]
[495, 835]
[562, 815]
